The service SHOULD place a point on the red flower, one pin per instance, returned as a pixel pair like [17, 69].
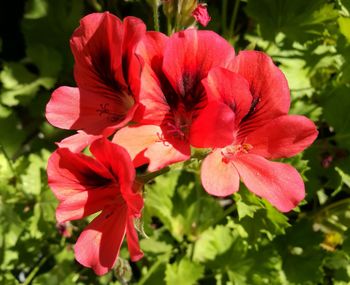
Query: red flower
[263, 131]
[201, 14]
[84, 186]
[175, 112]
[107, 75]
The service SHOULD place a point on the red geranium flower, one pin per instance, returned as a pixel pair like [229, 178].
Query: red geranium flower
[107, 74]
[201, 14]
[84, 186]
[175, 112]
[263, 131]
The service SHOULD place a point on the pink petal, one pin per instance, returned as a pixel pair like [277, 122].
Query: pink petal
[213, 127]
[284, 136]
[68, 108]
[99, 244]
[190, 54]
[278, 183]
[133, 241]
[136, 140]
[63, 110]
[201, 15]
[147, 144]
[231, 88]
[76, 143]
[70, 173]
[219, 177]
[166, 152]
[268, 86]
[84, 203]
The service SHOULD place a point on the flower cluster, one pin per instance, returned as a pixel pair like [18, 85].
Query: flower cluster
[159, 98]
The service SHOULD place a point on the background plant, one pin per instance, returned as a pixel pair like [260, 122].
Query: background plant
[192, 237]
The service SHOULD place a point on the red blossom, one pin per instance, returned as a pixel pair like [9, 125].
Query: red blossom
[201, 14]
[84, 186]
[106, 71]
[258, 95]
[175, 113]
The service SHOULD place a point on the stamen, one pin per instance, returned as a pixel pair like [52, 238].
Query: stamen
[231, 151]
[111, 116]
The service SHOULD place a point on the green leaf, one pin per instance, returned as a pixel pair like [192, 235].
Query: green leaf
[212, 242]
[344, 27]
[244, 207]
[184, 272]
[11, 134]
[36, 9]
[336, 112]
[31, 179]
[344, 176]
[300, 20]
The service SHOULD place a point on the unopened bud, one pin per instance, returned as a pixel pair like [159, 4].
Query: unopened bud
[201, 14]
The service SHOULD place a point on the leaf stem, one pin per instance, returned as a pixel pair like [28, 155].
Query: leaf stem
[32, 274]
[2, 149]
[224, 17]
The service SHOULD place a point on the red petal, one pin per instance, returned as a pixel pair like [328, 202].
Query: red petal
[278, 183]
[231, 88]
[117, 159]
[284, 136]
[99, 244]
[150, 51]
[103, 49]
[97, 48]
[70, 173]
[214, 126]
[134, 30]
[133, 241]
[190, 54]
[219, 178]
[268, 86]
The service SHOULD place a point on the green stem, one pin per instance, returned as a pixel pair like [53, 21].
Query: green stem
[178, 16]
[150, 176]
[331, 206]
[168, 25]
[95, 5]
[32, 274]
[155, 15]
[233, 19]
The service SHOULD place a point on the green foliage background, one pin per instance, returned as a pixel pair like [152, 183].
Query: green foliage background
[192, 238]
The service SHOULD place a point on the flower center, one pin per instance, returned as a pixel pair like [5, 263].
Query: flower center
[229, 152]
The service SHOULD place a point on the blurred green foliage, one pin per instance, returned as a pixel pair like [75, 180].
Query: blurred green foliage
[193, 238]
